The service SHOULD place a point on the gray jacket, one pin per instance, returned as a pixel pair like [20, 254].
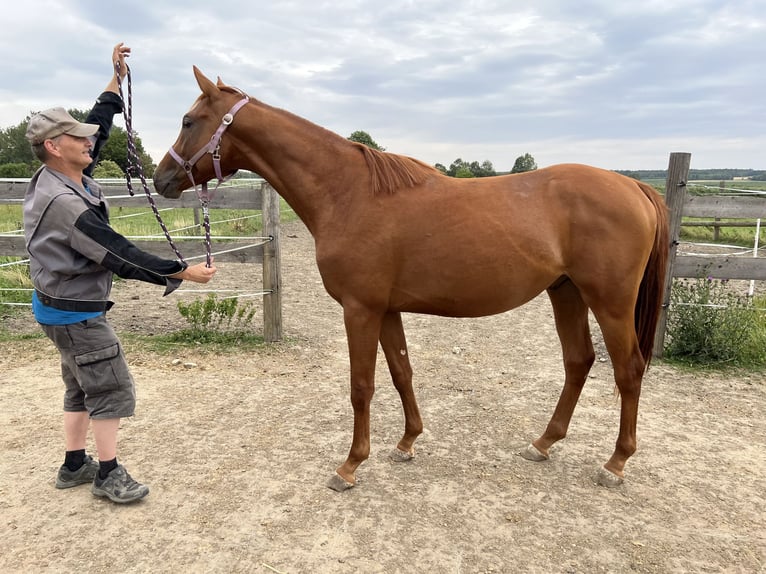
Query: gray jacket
[72, 248]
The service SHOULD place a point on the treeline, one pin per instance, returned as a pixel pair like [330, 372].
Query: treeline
[459, 167]
[18, 161]
[698, 174]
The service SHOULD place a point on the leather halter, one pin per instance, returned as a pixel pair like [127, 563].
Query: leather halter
[213, 147]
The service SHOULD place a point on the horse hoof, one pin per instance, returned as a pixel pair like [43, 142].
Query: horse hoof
[339, 484]
[608, 479]
[533, 453]
[400, 456]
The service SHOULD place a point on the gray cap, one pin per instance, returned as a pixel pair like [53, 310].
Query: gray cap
[54, 122]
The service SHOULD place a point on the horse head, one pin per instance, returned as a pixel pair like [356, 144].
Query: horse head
[200, 153]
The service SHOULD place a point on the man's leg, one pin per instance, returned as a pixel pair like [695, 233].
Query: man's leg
[112, 480]
[75, 429]
[78, 468]
[105, 433]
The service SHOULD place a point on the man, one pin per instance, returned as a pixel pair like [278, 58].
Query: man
[74, 253]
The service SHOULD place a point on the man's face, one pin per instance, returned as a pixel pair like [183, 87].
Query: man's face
[72, 151]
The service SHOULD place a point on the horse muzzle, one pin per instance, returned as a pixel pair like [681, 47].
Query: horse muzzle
[170, 182]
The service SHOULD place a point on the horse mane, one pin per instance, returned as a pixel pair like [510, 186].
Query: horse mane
[390, 172]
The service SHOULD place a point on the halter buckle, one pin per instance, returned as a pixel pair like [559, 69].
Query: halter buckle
[227, 119]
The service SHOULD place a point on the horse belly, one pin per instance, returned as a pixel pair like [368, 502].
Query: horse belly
[469, 291]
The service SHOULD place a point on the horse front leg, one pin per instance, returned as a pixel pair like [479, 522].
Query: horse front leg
[362, 331]
[394, 344]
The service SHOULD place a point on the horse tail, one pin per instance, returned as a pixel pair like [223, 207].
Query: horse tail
[651, 291]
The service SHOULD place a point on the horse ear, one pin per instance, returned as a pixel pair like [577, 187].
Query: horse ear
[208, 88]
[220, 83]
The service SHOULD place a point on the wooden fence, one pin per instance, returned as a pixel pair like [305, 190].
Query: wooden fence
[682, 205]
[260, 196]
[243, 194]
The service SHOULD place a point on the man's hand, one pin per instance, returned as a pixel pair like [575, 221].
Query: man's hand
[198, 273]
[119, 53]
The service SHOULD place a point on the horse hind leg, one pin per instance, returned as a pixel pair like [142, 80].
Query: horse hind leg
[629, 366]
[571, 316]
[394, 344]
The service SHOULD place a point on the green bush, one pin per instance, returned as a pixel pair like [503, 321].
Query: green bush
[711, 325]
[213, 314]
[16, 170]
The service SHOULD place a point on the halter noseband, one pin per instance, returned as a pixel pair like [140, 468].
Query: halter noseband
[213, 147]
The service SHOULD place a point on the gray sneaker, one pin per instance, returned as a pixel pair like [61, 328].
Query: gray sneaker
[119, 487]
[86, 473]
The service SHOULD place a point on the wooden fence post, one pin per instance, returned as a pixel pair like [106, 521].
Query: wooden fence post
[717, 228]
[675, 197]
[272, 277]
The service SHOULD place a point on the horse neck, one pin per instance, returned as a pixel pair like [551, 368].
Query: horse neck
[312, 169]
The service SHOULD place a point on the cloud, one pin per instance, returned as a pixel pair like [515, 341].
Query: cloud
[480, 79]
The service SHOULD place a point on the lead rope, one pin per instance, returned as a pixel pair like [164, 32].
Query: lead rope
[134, 164]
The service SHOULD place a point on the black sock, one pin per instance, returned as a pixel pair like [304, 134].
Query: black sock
[74, 459]
[105, 467]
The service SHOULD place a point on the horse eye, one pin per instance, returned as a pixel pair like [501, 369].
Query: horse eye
[186, 122]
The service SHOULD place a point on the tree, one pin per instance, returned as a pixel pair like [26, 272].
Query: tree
[15, 149]
[107, 169]
[524, 163]
[460, 168]
[485, 169]
[116, 147]
[116, 150]
[364, 138]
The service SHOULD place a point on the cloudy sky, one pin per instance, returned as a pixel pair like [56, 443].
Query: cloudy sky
[614, 83]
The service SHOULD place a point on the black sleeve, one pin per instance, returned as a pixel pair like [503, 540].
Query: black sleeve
[102, 114]
[96, 240]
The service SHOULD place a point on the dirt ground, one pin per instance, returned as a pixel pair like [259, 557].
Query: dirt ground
[237, 449]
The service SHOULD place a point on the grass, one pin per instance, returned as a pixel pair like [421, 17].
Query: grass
[14, 283]
[192, 340]
[740, 236]
[7, 336]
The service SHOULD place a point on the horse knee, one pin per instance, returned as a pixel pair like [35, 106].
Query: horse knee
[361, 395]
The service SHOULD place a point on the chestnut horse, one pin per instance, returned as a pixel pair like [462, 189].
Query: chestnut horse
[395, 235]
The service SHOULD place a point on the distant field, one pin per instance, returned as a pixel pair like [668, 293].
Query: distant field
[712, 186]
[733, 185]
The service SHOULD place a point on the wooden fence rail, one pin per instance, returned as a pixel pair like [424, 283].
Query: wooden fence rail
[243, 194]
[682, 205]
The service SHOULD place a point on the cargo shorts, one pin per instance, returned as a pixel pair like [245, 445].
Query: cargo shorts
[96, 375]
